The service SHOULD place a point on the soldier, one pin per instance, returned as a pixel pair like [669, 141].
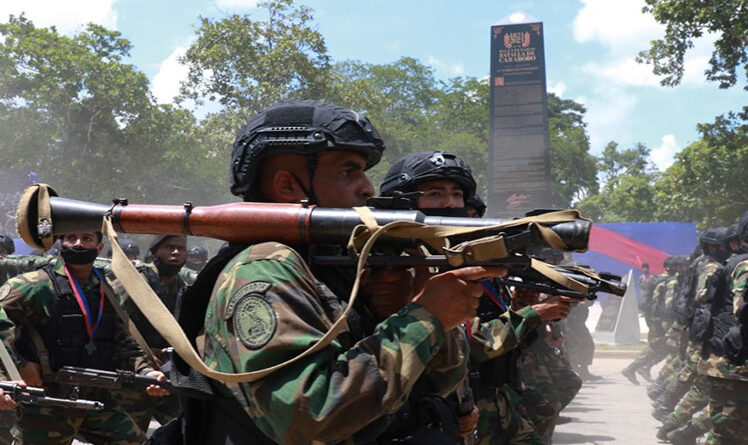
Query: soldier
[267, 305]
[170, 254]
[129, 247]
[7, 246]
[726, 367]
[653, 306]
[447, 186]
[580, 346]
[710, 285]
[197, 256]
[550, 382]
[63, 317]
[475, 206]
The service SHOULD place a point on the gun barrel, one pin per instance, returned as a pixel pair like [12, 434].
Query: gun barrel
[36, 396]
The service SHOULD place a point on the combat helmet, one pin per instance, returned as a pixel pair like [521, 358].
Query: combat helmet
[303, 127]
[414, 168]
[7, 246]
[743, 227]
[476, 203]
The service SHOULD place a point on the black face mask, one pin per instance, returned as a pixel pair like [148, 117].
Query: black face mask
[73, 255]
[167, 269]
[445, 211]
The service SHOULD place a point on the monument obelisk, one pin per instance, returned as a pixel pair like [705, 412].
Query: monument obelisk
[518, 153]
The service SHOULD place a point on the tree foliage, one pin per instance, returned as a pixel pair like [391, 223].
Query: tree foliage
[85, 121]
[687, 20]
[246, 64]
[708, 181]
[573, 168]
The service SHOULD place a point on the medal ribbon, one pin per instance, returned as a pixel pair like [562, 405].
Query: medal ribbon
[83, 302]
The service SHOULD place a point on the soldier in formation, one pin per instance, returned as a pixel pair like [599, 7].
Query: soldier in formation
[703, 387]
[63, 315]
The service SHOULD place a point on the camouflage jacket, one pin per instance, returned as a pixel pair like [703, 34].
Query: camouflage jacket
[267, 307]
[12, 265]
[721, 367]
[29, 298]
[497, 337]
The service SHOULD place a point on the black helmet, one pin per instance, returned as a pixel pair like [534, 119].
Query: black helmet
[476, 203]
[197, 252]
[130, 247]
[7, 246]
[743, 227]
[428, 165]
[302, 127]
[714, 236]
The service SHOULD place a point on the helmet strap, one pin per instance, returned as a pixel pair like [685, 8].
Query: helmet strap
[312, 163]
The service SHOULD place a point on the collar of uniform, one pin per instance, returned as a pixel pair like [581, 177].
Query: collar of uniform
[59, 269]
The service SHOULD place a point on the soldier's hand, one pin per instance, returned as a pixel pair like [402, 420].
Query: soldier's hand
[453, 296]
[155, 390]
[467, 424]
[31, 373]
[389, 289]
[553, 308]
[6, 402]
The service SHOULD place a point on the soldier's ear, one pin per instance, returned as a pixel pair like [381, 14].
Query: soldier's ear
[286, 187]
[99, 248]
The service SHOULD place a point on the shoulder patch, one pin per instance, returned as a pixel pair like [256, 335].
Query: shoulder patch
[255, 287]
[254, 321]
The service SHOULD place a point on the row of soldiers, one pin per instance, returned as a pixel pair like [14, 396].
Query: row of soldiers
[168, 267]
[413, 365]
[698, 323]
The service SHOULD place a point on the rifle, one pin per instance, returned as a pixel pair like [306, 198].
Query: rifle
[42, 215]
[36, 396]
[119, 379]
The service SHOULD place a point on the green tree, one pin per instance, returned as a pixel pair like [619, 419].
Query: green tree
[686, 20]
[573, 168]
[84, 120]
[246, 64]
[628, 192]
[708, 181]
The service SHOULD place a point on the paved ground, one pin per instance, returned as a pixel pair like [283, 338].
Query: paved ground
[609, 411]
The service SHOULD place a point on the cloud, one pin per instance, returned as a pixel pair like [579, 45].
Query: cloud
[622, 28]
[455, 69]
[664, 155]
[171, 73]
[624, 72]
[236, 4]
[67, 16]
[557, 88]
[619, 25]
[607, 108]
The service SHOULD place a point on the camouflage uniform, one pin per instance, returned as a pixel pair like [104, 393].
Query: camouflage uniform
[579, 345]
[697, 396]
[30, 299]
[140, 406]
[550, 382]
[12, 265]
[728, 382]
[656, 349]
[492, 346]
[267, 307]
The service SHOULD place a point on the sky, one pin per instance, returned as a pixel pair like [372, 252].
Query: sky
[590, 47]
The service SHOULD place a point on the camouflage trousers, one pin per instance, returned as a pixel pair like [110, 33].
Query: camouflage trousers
[142, 407]
[7, 419]
[59, 426]
[500, 423]
[551, 385]
[728, 411]
[694, 401]
[649, 357]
